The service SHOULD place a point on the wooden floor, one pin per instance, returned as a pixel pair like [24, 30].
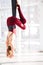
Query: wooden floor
[30, 58]
[26, 59]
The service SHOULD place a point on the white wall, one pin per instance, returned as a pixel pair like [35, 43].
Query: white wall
[41, 25]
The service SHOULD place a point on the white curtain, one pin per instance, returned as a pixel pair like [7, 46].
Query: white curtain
[26, 40]
[30, 38]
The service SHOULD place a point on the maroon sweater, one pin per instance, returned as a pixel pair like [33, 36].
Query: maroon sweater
[19, 22]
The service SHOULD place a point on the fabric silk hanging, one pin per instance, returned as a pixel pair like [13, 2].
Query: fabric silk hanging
[13, 8]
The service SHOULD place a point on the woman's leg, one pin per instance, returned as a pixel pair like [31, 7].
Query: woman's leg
[22, 18]
[19, 23]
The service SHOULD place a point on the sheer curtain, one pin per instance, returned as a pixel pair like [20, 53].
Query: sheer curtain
[25, 40]
[5, 12]
[30, 38]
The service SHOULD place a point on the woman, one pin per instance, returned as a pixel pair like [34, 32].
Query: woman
[11, 22]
